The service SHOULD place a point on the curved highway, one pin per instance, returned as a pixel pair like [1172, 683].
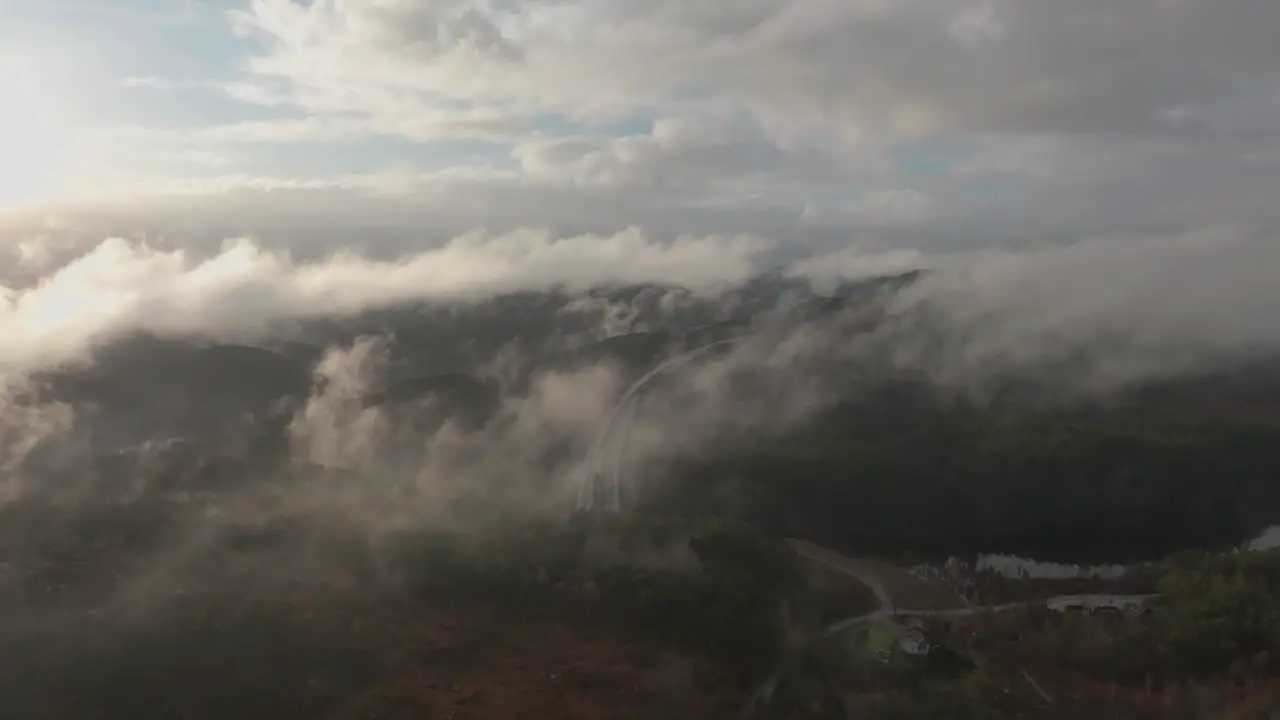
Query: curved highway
[594, 473]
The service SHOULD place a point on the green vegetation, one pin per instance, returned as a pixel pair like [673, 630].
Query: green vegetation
[1218, 620]
[907, 468]
[1224, 612]
[725, 607]
[706, 589]
[1207, 652]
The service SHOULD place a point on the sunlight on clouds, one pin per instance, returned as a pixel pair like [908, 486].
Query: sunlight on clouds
[120, 285]
[911, 123]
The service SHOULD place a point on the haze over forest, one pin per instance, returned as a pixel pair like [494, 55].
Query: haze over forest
[1002, 276]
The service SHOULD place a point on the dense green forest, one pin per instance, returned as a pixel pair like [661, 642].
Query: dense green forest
[1191, 463]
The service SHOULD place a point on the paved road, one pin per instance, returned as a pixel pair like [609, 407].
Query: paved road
[595, 462]
[763, 692]
[848, 566]
[887, 608]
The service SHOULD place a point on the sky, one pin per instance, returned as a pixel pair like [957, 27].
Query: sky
[591, 137]
[838, 114]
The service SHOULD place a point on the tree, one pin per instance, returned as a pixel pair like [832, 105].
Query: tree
[1222, 607]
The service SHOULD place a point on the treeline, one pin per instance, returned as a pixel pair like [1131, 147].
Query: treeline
[1222, 612]
[907, 469]
[1217, 620]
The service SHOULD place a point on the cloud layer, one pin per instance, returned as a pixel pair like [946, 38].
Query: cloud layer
[902, 126]
[908, 67]
[1207, 291]
[120, 286]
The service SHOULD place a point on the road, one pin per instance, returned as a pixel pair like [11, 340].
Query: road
[763, 692]
[850, 567]
[595, 464]
[618, 422]
[888, 608]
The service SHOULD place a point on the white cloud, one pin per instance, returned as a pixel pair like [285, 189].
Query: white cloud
[146, 82]
[196, 158]
[911, 126]
[309, 129]
[701, 153]
[1170, 299]
[854, 263]
[253, 93]
[908, 66]
[1136, 305]
[977, 25]
[431, 125]
[121, 286]
[893, 207]
[1041, 120]
[324, 129]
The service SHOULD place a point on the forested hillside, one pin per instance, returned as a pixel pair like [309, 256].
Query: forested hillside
[1190, 462]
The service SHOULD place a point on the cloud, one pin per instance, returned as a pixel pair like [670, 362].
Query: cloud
[857, 136]
[1130, 308]
[24, 426]
[1168, 299]
[310, 129]
[335, 428]
[513, 466]
[703, 153]
[121, 286]
[911, 67]
[146, 82]
[419, 127]
[196, 157]
[324, 129]
[701, 173]
[854, 263]
[906, 126]
[253, 93]
[875, 209]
